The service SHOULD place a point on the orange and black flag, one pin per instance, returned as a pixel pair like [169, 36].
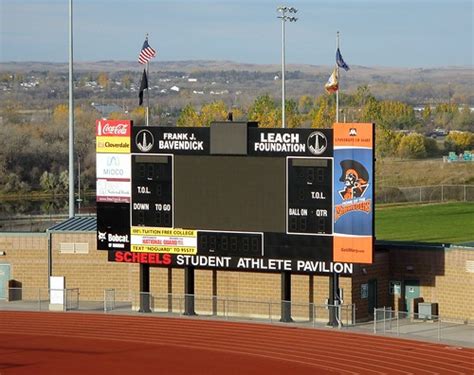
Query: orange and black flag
[332, 85]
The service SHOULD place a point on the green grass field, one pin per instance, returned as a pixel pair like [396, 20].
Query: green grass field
[444, 223]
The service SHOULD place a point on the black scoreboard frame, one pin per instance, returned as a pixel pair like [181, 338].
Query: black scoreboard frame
[304, 246]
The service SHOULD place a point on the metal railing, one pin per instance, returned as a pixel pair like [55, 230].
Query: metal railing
[41, 298]
[116, 301]
[216, 307]
[421, 325]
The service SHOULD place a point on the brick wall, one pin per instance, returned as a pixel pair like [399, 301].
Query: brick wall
[380, 271]
[443, 275]
[27, 255]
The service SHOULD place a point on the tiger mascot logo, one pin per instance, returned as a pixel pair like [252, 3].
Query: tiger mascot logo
[355, 178]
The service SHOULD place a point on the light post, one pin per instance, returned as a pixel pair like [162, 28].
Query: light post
[283, 10]
[71, 116]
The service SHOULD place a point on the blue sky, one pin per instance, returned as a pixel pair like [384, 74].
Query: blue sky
[417, 33]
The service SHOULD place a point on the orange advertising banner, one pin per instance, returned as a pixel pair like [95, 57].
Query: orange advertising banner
[352, 249]
[355, 135]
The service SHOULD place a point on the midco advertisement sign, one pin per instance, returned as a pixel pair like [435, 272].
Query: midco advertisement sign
[237, 197]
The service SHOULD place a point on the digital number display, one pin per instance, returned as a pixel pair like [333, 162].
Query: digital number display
[309, 196]
[152, 191]
[230, 244]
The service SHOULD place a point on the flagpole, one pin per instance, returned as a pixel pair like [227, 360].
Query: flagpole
[147, 98]
[339, 79]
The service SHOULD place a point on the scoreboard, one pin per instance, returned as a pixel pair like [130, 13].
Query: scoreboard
[235, 196]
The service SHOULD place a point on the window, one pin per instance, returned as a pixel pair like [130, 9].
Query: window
[73, 248]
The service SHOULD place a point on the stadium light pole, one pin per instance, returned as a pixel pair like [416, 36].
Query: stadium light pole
[71, 119]
[284, 18]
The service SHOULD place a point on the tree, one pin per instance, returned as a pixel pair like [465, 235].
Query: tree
[444, 115]
[127, 81]
[103, 80]
[215, 111]
[305, 103]
[61, 114]
[138, 115]
[459, 141]
[264, 110]
[412, 146]
[48, 182]
[363, 95]
[397, 115]
[324, 116]
[188, 117]
[371, 111]
[293, 118]
[464, 120]
[426, 114]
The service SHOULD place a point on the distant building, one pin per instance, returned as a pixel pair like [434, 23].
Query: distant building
[192, 79]
[174, 88]
[106, 109]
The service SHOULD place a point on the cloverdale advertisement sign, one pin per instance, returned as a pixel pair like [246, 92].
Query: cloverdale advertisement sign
[113, 161]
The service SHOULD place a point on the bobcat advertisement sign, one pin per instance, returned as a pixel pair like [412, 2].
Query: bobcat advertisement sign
[353, 192]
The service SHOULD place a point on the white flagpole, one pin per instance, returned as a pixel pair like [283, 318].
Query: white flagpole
[339, 80]
[147, 99]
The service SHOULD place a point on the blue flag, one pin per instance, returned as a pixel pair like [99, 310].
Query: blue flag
[340, 61]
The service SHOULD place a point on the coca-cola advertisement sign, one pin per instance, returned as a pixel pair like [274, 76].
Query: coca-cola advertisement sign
[113, 128]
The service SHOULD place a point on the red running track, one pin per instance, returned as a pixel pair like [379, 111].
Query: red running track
[75, 343]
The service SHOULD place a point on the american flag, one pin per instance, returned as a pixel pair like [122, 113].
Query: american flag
[147, 53]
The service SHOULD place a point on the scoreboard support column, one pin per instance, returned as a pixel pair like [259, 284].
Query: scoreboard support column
[170, 290]
[286, 297]
[311, 298]
[189, 291]
[145, 288]
[214, 292]
[333, 300]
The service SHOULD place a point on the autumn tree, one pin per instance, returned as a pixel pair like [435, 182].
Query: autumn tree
[293, 118]
[215, 111]
[324, 114]
[426, 114]
[305, 103]
[459, 141]
[264, 110]
[188, 117]
[103, 80]
[412, 146]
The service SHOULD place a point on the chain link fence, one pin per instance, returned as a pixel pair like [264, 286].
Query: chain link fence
[438, 193]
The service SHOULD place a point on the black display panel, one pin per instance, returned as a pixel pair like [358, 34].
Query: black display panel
[310, 193]
[152, 191]
[113, 226]
[230, 193]
[230, 244]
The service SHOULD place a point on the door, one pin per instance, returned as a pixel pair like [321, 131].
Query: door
[372, 296]
[4, 277]
[412, 290]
